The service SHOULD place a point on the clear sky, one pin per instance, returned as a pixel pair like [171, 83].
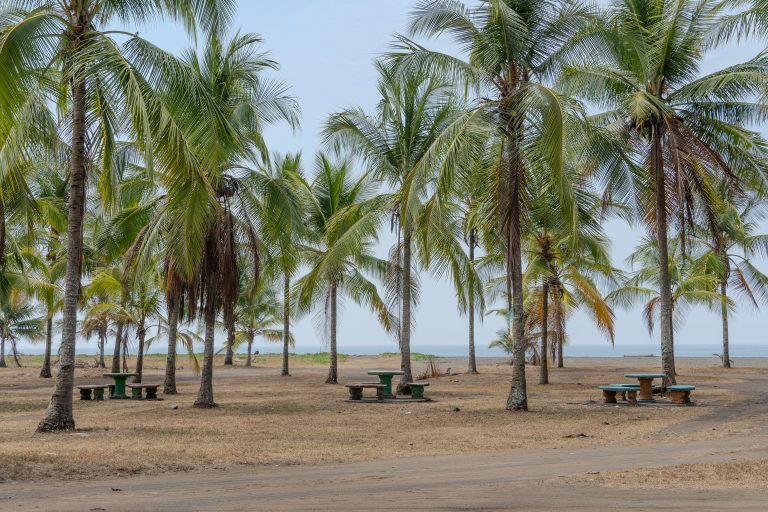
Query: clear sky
[326, 49]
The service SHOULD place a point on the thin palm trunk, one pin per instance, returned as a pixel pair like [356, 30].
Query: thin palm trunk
[124, 343]
[169, 386]
[724, 313]
[560, 327]
[249, 359]
[3, 364]
[205, 394]
[544, 368]
[15, 352]
[405, 321]
[333, 368]
[230, 354]
[518, 395]
[119, 335]
[286, 323]
[667, 343]
[59, 416]
[45, 371]
[102, 345]
[472, 365]
[140, 355]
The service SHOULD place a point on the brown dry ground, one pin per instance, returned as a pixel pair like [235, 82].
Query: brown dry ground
[265, 420]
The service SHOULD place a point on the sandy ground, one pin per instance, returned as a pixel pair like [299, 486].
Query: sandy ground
[294, 444]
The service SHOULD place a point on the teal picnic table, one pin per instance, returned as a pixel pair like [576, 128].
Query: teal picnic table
[119, 379]
[385, 377]
[646, 384]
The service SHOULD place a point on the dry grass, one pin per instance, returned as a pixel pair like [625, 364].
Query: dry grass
[267, 419]
[743, 474]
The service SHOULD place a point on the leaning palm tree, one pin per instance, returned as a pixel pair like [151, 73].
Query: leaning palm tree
[343, 219]
[67, 49]
[514, 48]
[730, 244]
[412, 143]
[684, 132]
[259, 312]
[18, 319]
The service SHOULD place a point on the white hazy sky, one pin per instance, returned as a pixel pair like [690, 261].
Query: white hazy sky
[326, 49]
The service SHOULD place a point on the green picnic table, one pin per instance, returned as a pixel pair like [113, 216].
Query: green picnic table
[385, 377]
[646, 384]
[119, 379]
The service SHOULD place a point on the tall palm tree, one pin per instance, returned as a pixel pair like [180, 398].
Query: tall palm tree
[343, 220]
[413, 144]
[683, 132]
[514, 48]
[730, 244]
[102, 93]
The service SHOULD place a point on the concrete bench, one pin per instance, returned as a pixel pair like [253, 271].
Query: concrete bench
[96, 389]
[417, 389]
[627, 391]
[356, 390]
[151, 391]
[680, 393]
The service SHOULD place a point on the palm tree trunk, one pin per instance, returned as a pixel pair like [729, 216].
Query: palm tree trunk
[102, 344]
[405, 321]
[59, 416]
[228, 358]
[125, 350]
[667, 344]
[3, 364]
[249, 360]
[724, 313]
[15, 352]
[472, 364]
[118, 345]
[169, 386]
[518, 395]
[205, 394]
[543, 367]
[333, 368]
[140, 353]
[45, 371]
[286, 323]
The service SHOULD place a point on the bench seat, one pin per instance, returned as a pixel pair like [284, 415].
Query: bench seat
[417, 389]
[356, 390]
[627, 392]
[680, 393]
[150, 389]
[96, 389]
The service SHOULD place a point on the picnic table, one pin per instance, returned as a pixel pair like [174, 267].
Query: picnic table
[646, 384]
[385, 377]
[119, 379]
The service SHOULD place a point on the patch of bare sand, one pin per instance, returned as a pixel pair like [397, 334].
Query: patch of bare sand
[266, 419]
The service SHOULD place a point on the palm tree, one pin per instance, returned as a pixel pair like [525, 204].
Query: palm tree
[257, 313]
[18, 320]
[67, 48]
[411, 143]
[515, 48]
[692, 283]
[343, 219]
[729, 244]
[683, 132]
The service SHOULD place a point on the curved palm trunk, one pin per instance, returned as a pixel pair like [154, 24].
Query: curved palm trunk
[724, 313]
[205, 393]
[333, 369]
[405, 321]
[59, 416]
[286, 323]
[169, 385]
[249, 360]
[230, 354]
[118, 345]
[140, 353]
[15, 353]
[124, 343]
[667, 343]
[518, 395]
[472, 364]
[45, 371]
[544, 368]
[3, 364]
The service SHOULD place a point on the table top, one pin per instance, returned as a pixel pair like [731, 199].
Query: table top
[385, 372]
[119, 374]
[645, 375]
